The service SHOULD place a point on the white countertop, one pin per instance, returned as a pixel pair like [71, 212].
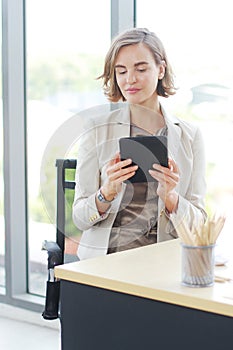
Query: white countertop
[152, 272]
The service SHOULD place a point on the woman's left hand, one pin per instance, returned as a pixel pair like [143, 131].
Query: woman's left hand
[168, 179]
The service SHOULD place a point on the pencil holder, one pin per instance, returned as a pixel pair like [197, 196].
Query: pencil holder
[197, 265]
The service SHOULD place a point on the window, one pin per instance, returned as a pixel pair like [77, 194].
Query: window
[196, 37]
[2, 226]
[66, 44]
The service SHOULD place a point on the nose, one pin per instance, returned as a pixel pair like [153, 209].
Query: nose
[131, 78]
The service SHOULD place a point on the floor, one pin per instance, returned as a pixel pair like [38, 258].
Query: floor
[25, 330]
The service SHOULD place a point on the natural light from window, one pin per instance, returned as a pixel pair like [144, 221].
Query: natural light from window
[196, 36]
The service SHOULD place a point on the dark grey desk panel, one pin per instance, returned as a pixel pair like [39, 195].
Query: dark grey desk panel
[98, 319]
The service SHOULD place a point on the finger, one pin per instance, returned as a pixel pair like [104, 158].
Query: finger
[160, 167]
[122, 164]
[167, 171]
[118, 157]
[159, 176]
[173, 166]
[122, 172]
[115, 159]
[115, 164]
[171, 179]
[125, 177]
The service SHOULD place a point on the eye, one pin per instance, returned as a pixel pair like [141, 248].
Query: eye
[141, 69]
[120, 72]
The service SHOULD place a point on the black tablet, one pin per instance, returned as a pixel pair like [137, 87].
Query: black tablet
[144, 151]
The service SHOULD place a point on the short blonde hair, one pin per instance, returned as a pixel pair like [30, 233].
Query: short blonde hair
[134, 36]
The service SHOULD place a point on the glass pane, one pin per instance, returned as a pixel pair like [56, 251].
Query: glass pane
[66, 44]
[198, 44]
[2, 226]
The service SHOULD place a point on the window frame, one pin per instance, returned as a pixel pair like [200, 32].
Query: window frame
[15, 144]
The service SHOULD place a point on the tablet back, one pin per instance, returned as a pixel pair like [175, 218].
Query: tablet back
[144, 151]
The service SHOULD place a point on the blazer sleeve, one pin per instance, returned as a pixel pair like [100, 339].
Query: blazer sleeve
[192, 205]
[87, 178]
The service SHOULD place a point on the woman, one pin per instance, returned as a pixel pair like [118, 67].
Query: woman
[114, 214]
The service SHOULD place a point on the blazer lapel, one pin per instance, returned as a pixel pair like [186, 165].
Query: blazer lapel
[174, 134]
[123, 120]
[174, 138]
[123, 130]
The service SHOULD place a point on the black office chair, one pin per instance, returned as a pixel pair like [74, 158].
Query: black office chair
[57, 253]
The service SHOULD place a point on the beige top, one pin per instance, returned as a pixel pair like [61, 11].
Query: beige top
[152, 272]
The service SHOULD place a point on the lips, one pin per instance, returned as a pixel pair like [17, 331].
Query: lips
[132, 90]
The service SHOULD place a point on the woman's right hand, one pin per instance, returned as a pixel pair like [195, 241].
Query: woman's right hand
[118, 171]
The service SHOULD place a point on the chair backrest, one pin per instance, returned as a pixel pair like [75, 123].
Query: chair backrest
[67, 235]
[57, 251]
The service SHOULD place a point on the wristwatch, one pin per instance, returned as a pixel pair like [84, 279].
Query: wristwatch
[101, 198]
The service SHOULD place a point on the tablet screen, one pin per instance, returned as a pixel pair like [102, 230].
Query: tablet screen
[144, 151]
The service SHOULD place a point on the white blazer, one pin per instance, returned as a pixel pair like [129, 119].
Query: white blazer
[99, 143]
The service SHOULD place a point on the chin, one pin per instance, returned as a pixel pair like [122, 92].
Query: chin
[134, 100]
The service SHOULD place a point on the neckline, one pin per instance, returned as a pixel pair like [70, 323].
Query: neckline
[148, 132]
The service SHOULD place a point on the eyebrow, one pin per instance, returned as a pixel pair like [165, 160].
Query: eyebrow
[135, 65]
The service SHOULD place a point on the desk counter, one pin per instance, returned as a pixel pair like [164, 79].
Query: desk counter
[152, 272]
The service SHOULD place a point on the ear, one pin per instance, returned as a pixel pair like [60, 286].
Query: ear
[162, 69]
